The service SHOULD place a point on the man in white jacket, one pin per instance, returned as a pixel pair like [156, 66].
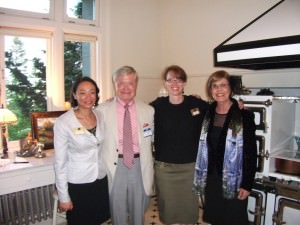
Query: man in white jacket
[130, 188]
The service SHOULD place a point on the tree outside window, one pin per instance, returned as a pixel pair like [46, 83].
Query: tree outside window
[23, 86]
[25, 80]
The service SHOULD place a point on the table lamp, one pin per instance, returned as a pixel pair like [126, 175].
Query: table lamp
[6, 118]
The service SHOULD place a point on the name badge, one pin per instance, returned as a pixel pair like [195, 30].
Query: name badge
[195, 111]
[147, 132]
[78, 130]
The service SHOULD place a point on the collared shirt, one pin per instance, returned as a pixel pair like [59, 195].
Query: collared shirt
[134, 125]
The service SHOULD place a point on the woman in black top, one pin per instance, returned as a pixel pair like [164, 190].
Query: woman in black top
[226, 160]
[177, 122]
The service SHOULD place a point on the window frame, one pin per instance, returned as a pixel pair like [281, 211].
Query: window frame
[30, 14]
[88, 39]
[94, 22]
[55, 62]
[31, 34]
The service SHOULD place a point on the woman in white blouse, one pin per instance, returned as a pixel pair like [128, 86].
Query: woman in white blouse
[80, 173]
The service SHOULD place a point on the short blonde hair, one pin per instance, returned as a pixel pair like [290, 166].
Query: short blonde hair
[124, 70]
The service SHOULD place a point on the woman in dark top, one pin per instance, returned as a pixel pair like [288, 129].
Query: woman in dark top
[177, 122]
[226, 160]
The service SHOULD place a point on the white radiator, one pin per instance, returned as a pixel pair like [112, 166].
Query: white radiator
[29, 206]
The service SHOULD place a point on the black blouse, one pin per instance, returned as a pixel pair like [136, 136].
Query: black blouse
[216, 146]
[177, 129]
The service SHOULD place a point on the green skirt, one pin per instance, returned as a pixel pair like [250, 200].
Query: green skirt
[176, 202]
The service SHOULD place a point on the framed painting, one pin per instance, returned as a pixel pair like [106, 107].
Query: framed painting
[42, 126]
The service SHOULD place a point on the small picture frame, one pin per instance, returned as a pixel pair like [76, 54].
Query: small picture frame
[42, 127]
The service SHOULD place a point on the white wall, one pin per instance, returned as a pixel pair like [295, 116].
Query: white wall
[132, 38]
[192, 29]
[152, 34]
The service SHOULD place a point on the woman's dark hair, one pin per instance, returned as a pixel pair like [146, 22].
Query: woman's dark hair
[180, 74]
[74, 102]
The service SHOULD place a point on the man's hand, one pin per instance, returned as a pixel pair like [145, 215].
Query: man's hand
[196, 96]
[109, 99]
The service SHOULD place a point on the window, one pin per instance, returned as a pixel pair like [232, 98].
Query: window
[47, 56]
[23, 86]
[82, 11]
[75, 11]
[79, 59]
[31, 8]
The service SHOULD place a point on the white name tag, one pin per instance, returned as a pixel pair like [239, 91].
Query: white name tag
[78, 130]
[147, 132]
[195, 111]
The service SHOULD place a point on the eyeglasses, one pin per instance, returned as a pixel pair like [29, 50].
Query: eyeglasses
[175, 80]
[221, 86]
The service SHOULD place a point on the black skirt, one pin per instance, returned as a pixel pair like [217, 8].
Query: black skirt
[90, 203]
[220, 211]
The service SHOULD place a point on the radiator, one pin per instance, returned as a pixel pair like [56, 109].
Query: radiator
[29, 206]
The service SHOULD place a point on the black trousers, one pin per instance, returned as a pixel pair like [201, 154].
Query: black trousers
[90, 203]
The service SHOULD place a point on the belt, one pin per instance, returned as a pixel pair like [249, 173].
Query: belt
[136, 155]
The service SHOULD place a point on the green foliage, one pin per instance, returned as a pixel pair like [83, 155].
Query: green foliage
[78, 10]
[25, 92]
[26, 88]
[73, 64]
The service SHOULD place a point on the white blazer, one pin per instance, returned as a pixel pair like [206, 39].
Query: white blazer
[145, 114]
[77, 153]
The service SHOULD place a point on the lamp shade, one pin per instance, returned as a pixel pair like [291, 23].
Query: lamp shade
[7, 117]
[68, 105]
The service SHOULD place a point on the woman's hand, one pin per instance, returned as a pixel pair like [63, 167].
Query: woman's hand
[243, 194]
[241, 104]
[65, 206]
